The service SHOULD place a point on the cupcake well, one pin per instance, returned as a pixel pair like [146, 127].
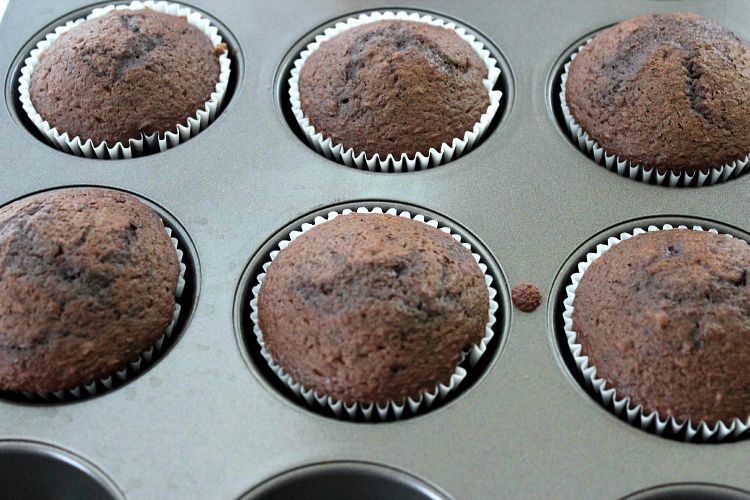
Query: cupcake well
[607, 395]
[404, 163]
[625, 167]
[146, 143]
[375, 412]
[132, 368]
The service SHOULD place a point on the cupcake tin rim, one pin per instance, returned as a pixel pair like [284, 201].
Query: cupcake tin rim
[243, 327]
[682, 490]
[531, 199]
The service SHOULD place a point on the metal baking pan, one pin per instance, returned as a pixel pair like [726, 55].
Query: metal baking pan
[207, 422]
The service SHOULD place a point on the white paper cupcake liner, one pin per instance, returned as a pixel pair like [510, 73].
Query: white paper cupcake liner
[625, 168]
[131, 369]
[420, 161]
[370, 412]
[146, 143]
[607, 395]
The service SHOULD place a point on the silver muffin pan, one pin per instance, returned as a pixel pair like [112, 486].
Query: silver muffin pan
[206, 422]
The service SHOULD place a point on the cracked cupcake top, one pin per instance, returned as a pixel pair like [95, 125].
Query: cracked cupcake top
[125, 73]
[670, 91]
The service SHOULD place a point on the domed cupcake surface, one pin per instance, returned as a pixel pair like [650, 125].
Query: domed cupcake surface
[123, 74]
[372, 308]
[664, 317]
[87, 283]
[665, 91]
[394, 87]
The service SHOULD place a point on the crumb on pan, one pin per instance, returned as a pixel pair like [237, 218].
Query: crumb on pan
[526, 296]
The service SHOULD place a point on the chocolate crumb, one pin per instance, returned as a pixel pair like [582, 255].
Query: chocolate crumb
[220, 49]
[526, 296]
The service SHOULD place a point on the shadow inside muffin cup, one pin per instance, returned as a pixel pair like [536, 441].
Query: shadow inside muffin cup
[43, 472]
[342, 481]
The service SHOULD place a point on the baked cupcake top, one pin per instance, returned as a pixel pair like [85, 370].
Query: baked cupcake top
[665, 318]
[393, 87]
[125, 73]
[87, 283]
[670, 91]
[372, 308]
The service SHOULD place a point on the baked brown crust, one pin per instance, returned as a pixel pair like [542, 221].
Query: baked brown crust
[665, 319]
[393, 87]
[87, 283]
[372, 308]
[670, 91]
[125, 73]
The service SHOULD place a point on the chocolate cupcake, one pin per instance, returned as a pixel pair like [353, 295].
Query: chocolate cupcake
[660, 324]
[125, 76]
[88, 279]
[666, 92]
[394, 91]
[371, 310]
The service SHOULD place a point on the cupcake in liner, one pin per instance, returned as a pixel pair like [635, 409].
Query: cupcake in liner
[626, 168]
[146, 143]
[373, 411]
[420, 161]
[607, 395]
[131, 369]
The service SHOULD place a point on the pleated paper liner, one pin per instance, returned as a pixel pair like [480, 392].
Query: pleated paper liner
[131, 369]
[146, 143]
[626, 168]
[636, 415]
[393, 409]
[434, 157]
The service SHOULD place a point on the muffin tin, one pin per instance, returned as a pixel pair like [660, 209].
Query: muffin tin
[207, 422]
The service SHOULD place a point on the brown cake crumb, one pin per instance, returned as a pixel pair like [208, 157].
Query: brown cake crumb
[526, 296]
